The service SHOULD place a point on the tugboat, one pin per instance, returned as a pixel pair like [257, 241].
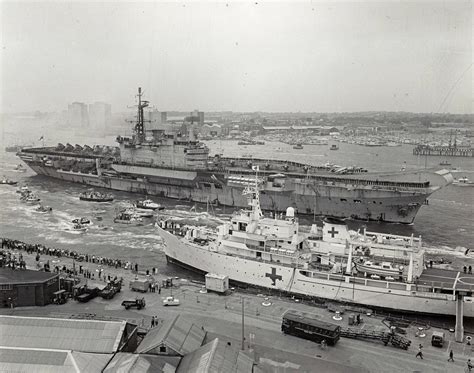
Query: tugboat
[6, 181]
[96, 197]
[43, 209]
[148, 204]
[81, 221]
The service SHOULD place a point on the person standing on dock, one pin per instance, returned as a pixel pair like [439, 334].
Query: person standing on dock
[420, 351]
[451, 356]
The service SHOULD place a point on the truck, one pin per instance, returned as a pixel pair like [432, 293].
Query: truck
[113, 287]
[87, 294]
[141, 285]
[217, 283]
[138, 303]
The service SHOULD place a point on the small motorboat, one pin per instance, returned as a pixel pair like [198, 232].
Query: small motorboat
[96, 197]
[31, 199]
[298, 146]
[79, 228]
[444, 163]
[82, 221]
[148, 204]
[20, 168]
[43, 209]
[334, 147]
[463, 181]
[6, 181]
[128, 217]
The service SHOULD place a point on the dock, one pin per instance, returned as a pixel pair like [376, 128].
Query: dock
[446, 151]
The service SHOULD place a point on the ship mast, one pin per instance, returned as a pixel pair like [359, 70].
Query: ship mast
[254, 197]
[139, 126]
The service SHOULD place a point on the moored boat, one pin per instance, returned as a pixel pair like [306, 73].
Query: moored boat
[334, 147]
[298, 146]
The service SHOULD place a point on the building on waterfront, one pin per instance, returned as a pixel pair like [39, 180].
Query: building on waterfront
[176, 337]
[210, 130]
[62, 345]
[78, 115]
[217, 356]
[24, 287]
[100, 116]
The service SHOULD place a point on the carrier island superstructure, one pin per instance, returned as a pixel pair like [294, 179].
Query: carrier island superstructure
[173, 164]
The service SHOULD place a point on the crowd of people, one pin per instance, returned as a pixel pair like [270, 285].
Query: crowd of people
[8, 259]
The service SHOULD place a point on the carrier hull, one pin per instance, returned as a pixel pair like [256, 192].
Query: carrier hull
[306, 196]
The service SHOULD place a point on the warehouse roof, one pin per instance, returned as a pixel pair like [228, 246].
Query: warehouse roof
[216, 356]
[178, 334]
[50, 361]
[22, 276]
[61, 334]
[134, 363]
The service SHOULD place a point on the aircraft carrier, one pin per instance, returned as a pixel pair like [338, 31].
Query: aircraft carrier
[174, 164]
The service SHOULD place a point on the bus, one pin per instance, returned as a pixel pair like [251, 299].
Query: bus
[308, 326]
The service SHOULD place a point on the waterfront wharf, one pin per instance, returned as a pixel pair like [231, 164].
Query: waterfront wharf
[447, 280]
[447, 151]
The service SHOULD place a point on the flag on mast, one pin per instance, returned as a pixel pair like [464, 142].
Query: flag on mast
[41, 138]
[255, 168]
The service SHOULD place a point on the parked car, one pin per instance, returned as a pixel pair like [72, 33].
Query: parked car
[170, 301]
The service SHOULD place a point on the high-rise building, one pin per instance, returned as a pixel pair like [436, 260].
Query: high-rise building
[78, 115]
[196, 117]
[100, 114]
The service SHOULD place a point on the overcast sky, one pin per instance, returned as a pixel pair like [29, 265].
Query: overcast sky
[307, 56]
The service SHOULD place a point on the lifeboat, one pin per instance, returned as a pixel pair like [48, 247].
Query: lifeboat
[383, 269]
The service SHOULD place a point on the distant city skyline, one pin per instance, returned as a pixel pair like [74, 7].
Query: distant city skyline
[242, 57]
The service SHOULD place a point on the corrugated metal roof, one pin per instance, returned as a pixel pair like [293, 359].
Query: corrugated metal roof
[61, 334]
[179, 334]
[134, 363]
[50, 361]
[24, 276]
[215, 357]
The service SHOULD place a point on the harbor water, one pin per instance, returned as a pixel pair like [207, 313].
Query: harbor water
[446, 223]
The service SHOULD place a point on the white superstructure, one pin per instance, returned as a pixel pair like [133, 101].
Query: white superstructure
[271, 252]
